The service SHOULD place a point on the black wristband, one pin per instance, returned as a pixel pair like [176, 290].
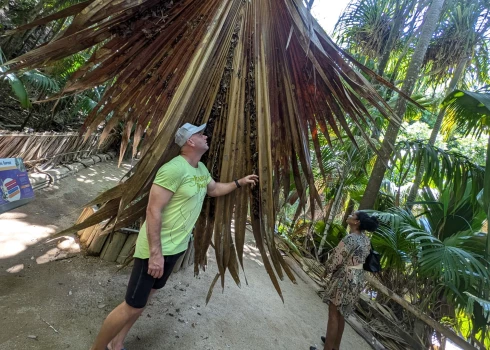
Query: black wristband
[237, 184]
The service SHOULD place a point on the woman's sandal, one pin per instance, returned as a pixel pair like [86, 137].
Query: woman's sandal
[312, 347]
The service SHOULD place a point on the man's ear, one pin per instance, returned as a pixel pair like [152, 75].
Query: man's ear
[190, 142]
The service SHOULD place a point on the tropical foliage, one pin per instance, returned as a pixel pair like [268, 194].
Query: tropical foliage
[325, 133]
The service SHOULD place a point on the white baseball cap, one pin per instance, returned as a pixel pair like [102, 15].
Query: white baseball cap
[186, 131]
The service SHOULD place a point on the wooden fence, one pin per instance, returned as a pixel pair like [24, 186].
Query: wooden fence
[50, 147]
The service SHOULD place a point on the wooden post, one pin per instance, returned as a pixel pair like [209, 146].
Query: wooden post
[178, 264]
[188, 254]
[417, 313]
[114, 246]
[126, 249]
[85, 214]
[86, 235]
[95, 231]
[95, 247]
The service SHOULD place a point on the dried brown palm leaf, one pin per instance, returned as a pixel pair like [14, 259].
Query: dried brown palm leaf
[262, 75]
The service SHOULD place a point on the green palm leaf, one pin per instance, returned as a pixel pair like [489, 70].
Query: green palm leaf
[40, 81]
[19, 89]
[468, 112]
[442, 168]
[15, 83]
[389, 240]
[446, 259]
[484, 304]
[448, 214]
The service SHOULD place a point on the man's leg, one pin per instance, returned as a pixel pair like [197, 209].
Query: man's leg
[117, 342]
[113, 324]
[332, 327]
[139, 288]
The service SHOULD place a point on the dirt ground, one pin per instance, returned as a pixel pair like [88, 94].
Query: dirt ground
[61, 304]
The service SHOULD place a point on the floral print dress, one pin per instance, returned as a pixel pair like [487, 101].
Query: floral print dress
[345, 283]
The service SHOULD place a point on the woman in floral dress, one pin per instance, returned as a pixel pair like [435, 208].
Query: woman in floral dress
[345, 275]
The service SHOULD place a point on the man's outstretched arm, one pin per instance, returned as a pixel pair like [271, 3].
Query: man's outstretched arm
[216, 189]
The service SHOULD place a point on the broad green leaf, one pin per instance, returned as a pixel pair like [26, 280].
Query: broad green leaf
[19, 90]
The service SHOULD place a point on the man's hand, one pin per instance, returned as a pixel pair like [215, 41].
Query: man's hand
[155, 266]
[251, 180]
[216, 189]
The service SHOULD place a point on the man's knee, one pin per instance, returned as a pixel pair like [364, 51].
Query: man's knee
[131, 310]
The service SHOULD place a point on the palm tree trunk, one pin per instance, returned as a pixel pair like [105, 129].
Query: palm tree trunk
[428, 28]
[402, 13]
[458, 74]
[348, 211]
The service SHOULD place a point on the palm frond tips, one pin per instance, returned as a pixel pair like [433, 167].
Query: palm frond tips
[262, 75]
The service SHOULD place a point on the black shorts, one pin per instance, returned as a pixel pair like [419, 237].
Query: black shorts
[141, 283]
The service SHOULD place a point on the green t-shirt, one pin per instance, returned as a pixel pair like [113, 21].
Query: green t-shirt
[179, 216]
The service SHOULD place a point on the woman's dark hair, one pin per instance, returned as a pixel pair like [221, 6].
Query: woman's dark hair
[368, 223]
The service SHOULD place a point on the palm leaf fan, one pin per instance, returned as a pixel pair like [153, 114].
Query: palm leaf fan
[262, 74]
[469, 112]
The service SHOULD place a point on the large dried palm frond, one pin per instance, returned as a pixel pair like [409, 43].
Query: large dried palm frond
[262, 74]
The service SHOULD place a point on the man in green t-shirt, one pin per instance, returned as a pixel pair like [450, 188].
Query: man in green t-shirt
[175, 202]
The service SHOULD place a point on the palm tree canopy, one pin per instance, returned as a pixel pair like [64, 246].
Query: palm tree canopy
[462, 34]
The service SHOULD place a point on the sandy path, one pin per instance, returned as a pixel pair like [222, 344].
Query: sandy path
[74, 295]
